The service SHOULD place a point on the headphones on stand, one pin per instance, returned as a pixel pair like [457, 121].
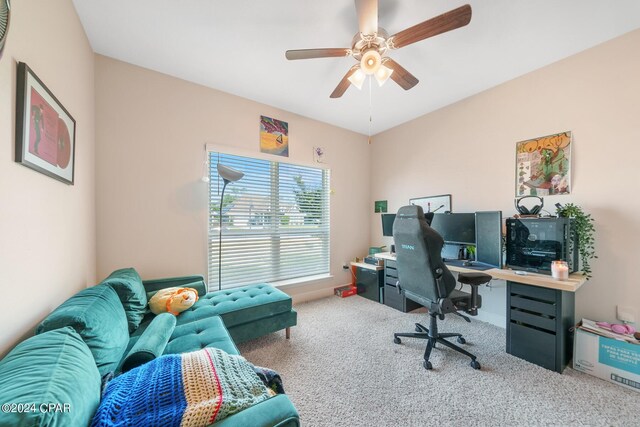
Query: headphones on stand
[523, 210]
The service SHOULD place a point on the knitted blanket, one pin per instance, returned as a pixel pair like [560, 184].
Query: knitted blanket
[190, 389]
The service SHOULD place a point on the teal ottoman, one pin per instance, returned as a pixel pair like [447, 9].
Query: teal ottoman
[248, 312]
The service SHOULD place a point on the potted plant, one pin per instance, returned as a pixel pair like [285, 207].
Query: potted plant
[585, 232]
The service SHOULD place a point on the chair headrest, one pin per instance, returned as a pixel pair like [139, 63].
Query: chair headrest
[411, 211]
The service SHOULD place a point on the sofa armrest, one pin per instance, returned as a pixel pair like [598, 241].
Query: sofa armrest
[277, 411]
[196, 282]
[151, 343]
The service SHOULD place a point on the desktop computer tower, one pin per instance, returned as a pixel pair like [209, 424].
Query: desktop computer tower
[533, 243]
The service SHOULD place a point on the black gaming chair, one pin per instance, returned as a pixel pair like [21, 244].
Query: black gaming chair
[424, 278]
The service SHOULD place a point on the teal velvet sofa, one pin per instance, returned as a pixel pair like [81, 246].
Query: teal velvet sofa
[107, 329]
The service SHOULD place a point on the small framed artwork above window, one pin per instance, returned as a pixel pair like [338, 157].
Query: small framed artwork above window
[274, 136]
[275, 221]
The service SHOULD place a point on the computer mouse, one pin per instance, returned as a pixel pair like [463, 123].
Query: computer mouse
[467, 263]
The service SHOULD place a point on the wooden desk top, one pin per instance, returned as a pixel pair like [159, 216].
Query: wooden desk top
[367, 266]
[542, 280]
[572, 284]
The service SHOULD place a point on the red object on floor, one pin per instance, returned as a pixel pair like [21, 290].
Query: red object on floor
[345, 291]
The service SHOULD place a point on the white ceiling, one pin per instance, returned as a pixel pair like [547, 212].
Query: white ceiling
[237, 46]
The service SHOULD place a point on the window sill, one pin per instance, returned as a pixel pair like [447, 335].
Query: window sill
[301, 281]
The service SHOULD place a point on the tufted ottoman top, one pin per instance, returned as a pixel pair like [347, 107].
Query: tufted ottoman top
[239, 305]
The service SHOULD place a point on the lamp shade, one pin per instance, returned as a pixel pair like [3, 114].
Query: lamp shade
[357, 78]
[229, 174]
[370, 62]
[382, 74]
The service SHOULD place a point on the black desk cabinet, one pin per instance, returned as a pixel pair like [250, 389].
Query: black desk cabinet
[370, 284]
[391, 296]
[540, 322]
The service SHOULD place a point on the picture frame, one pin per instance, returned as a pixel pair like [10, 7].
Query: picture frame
[274, 136]
[543, 165]
[380, 206]
[45, 131]
[437, 204]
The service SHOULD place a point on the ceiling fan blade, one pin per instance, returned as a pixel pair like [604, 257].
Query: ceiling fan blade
[367, 11]
[344, 83]
[451, 20]
[316, 53]
[400, 75]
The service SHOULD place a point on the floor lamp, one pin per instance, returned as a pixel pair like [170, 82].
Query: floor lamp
[228, 175]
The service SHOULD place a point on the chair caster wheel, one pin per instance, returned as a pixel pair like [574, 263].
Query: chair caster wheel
[461, 340]
[418, 329]
[396, 340]
[475, 364]
[427, 365]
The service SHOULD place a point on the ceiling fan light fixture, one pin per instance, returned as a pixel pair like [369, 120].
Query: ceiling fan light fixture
[370, 62]
[357, 78]
[382, 74]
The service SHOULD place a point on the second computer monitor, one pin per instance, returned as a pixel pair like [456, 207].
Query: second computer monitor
[458, 228]
[489, 238]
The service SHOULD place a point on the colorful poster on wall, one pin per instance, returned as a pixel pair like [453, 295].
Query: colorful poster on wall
[543, 166]
[274, 136]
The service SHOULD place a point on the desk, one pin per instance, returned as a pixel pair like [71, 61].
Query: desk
[540, 314]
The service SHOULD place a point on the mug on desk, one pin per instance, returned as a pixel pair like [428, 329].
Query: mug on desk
[560, 270]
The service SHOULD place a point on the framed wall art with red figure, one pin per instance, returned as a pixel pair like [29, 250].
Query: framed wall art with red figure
[45, 131]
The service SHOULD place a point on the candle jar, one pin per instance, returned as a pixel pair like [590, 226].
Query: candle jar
[560, 270]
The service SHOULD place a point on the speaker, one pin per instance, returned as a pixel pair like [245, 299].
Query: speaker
[523, 210]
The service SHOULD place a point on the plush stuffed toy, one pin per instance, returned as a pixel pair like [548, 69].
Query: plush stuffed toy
[173, 300]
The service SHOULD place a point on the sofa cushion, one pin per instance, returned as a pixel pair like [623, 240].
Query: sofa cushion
[128, 285]
[209, 332]
[97, 315]
[239, 305]
[53, 367]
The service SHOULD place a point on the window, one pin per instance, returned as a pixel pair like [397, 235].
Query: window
[275, 221]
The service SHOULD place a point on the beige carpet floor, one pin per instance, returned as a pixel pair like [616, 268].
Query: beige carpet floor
[341, 368]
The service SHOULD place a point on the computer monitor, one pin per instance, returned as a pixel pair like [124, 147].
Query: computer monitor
[458, 228]
[489, 238]
[387, 224]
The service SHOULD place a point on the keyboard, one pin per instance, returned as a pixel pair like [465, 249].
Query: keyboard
[479, 266]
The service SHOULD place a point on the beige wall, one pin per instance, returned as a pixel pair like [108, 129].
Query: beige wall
[152, 206]
[47, 228]
[468, 150]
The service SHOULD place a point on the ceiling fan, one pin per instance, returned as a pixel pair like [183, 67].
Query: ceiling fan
[371, 45]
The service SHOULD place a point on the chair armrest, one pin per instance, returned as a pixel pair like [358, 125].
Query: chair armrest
[196, 282]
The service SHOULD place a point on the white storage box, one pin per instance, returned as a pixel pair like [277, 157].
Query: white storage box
[611, 359]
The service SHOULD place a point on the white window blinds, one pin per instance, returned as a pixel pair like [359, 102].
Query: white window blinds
[275, 222]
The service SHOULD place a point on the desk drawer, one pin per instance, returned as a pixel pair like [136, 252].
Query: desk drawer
[390, 281]
[530, 319]
[533, 345]
[390, 272]
[536, 292]
[533, 305]
[390, 263]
